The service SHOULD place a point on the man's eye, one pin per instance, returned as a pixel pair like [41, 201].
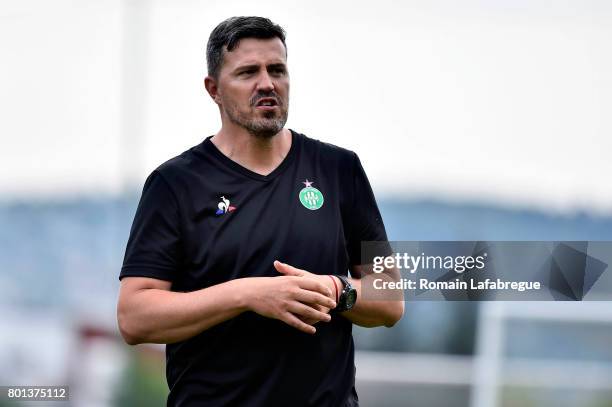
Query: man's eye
[247, 72]
[278, 71]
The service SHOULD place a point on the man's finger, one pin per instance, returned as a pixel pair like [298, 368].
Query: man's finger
[295, 322]
[299, 309]
[287, 269]
[314, 285]
[321, 308]
[315, 298]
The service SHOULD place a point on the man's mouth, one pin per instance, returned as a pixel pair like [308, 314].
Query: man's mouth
[266, 103]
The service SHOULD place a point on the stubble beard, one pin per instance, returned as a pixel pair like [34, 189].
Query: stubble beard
[261, 127]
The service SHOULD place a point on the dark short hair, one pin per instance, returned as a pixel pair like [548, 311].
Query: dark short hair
[229, 32]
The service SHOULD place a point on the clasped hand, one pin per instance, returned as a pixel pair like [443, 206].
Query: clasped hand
[298, 298]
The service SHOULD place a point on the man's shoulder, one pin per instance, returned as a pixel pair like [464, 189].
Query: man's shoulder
[181, 166]
[327, 150]
[181, 162]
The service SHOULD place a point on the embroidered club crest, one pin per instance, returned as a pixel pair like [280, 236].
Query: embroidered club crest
[311, 197]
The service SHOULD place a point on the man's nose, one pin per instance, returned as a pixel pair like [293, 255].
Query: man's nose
[265, 82]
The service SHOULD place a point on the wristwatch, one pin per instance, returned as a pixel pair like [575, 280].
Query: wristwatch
[348, 295]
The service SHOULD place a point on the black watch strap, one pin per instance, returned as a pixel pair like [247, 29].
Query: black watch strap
[344, 280]
[348, 295]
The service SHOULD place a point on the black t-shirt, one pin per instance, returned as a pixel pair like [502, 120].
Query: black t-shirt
[203, 220]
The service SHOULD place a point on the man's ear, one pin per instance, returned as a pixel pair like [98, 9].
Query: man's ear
[210, 84]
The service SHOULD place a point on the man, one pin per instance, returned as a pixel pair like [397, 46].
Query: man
[239, 251]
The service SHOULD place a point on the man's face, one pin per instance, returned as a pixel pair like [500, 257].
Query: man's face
[253, 86]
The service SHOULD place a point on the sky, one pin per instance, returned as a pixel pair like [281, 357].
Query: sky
[498, 102]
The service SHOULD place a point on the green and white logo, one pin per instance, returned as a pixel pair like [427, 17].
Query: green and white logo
[311, 197]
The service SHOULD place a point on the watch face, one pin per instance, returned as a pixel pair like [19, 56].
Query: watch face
[351, 297]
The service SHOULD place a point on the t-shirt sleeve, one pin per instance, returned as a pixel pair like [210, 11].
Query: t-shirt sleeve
[366, 224]
[154, 243]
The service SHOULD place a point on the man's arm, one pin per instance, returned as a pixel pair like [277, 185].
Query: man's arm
[368, 313]
[147, 311]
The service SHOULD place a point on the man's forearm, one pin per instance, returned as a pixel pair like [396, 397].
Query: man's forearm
[372, 313]
[160, 316]
[148, 311]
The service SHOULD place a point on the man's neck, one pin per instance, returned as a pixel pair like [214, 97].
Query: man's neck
[258, 154]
